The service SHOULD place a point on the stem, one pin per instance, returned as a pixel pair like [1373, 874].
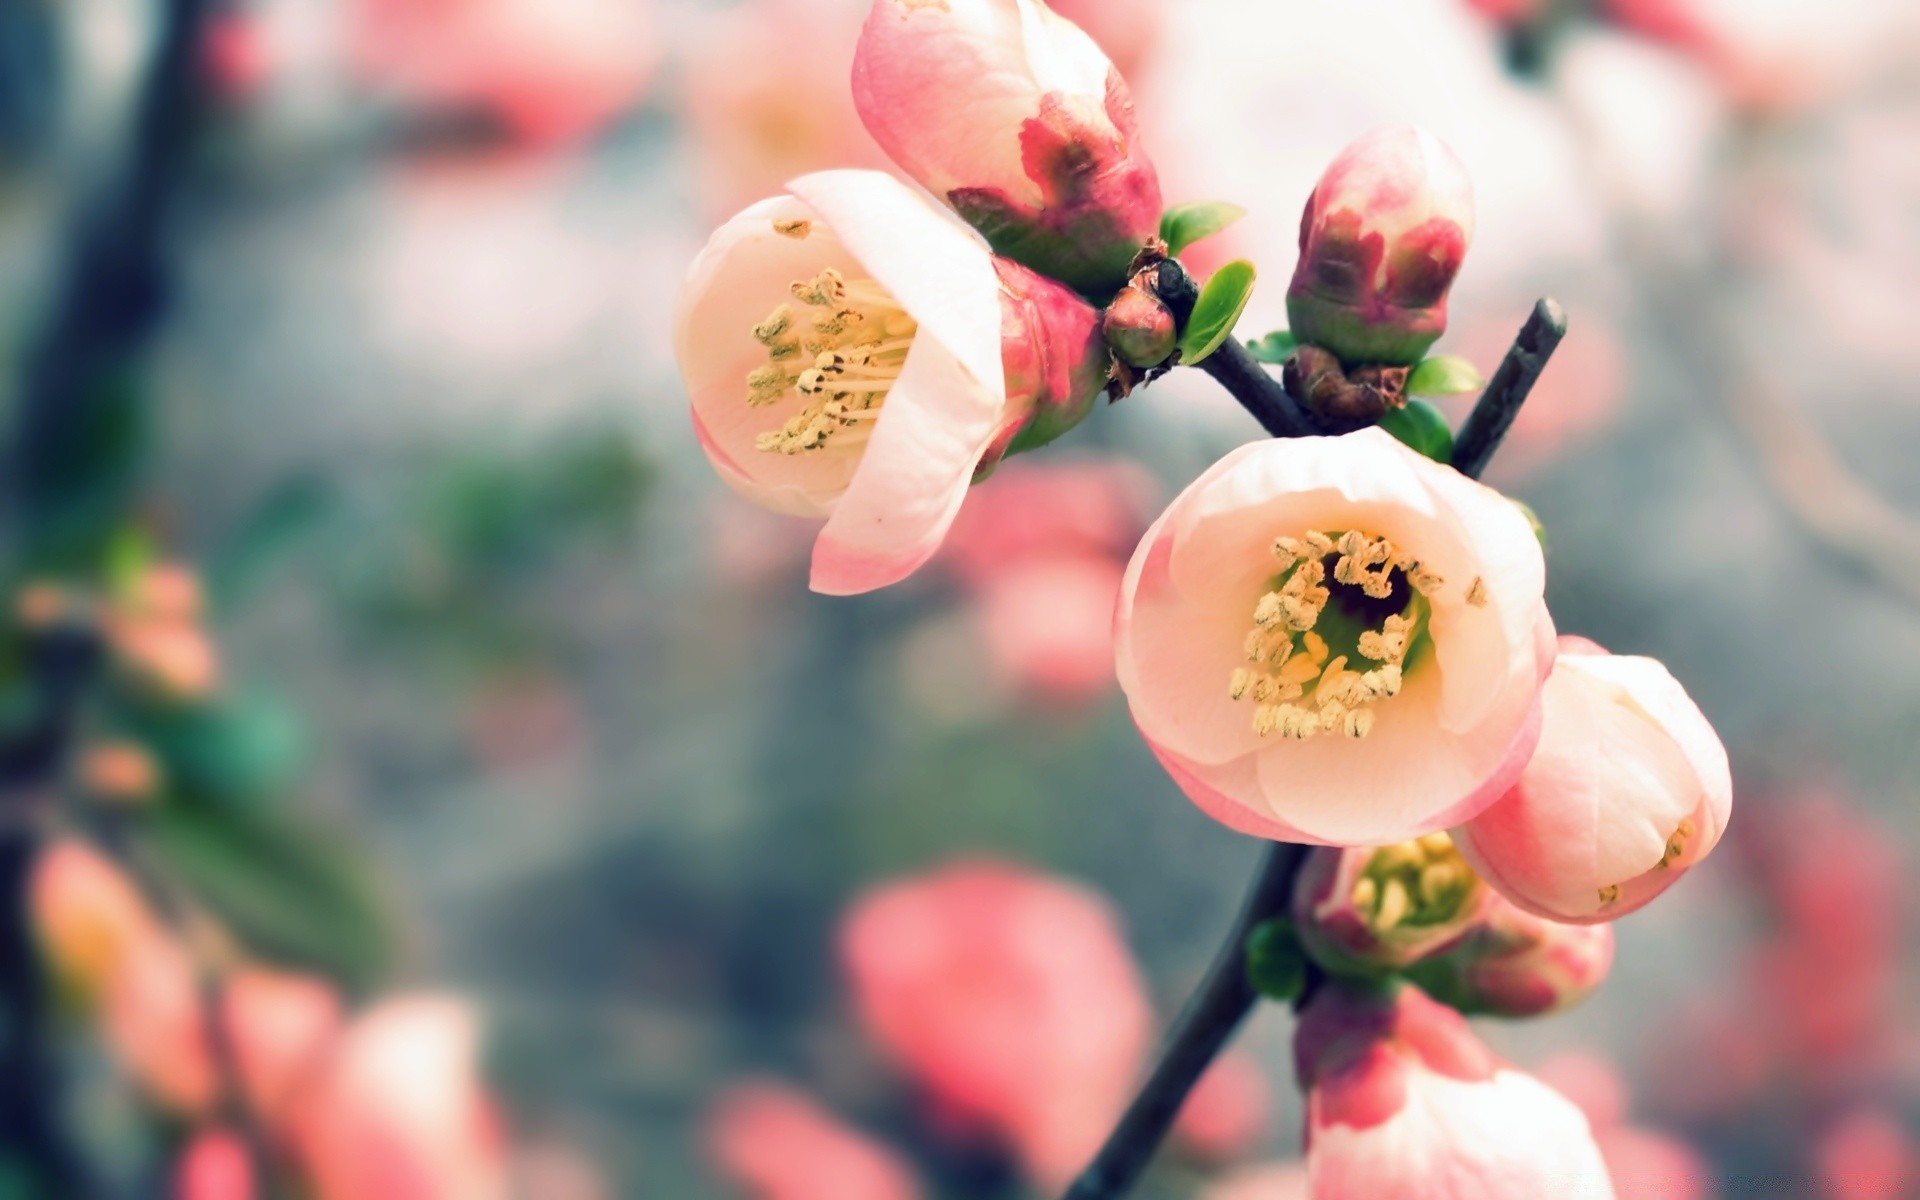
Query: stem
[1233, 368]
[1224, 996]
[1494, 412]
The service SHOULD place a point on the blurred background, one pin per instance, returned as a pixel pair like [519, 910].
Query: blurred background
[360, 310]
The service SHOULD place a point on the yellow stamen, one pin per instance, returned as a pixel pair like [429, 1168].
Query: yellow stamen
[853, 356]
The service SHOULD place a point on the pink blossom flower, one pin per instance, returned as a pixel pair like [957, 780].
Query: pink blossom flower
[551, 71]
[1227, 1113]
[1010, 998]
[1382, 237]
[157, 1020]
[1645, 1164]
[1012, 114]
[767, 97]
[1336, 640]
[854, 355]
[87, 913]
[1380, 909]
[1403, 1100]
[1629, 789]
[777, 1144]
[398, 1113]
[214, 1166]
[1047, 627]
[1514, 964]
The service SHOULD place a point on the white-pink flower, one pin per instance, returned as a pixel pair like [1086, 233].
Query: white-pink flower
[1629, 788]
[853, 354]
[399, 1112]
[1013, 115]
[1404, 1101]
[1336, 640]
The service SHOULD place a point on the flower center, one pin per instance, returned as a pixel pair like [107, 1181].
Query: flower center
[838, 355]
[1332, 633]
[1417, 883]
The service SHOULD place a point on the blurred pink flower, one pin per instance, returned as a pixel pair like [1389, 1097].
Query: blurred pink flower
[1645, 1164]
[1382, 237]
[1228, 1112]
[1048, 626]
[1269, 1181]
[1047, 510]
[1010, 997]
[280, 1026]
[1629, 789]
[550, 71]
[214, 1166]
[1867, 1155]
[87, 913]
[855, 355]
[1392, 548]
[398, 1112]
[1577, 396]
[775, 1143]
[768, 97]
[1403, 1100]
[1010, 113]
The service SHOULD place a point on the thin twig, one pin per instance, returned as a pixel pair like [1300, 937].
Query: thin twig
[1493, 413]
[1224, 996]
[1233, 368]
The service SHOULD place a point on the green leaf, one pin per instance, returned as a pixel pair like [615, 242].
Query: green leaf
[291, 892]
[1276, 966]
[1184, 224]
[1221, 302]
[1275, 348]
[1444, 375]
[238, 751]
[1421, 426]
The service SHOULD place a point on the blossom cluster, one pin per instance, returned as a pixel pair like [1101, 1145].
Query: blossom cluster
[1339, 640]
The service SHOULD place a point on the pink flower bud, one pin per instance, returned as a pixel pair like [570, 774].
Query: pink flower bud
[777, 1144]
[1403, 1100]
[1011, 999]
[1382, 237]
[854, 354]
[1628, 790]
[1140, 328]
[1337, 641]
[1383, 909]
[214, 1166]
[1514, 964]
[1011, 114]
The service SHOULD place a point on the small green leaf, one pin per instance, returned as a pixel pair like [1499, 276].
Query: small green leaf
[1276, 966]
[1421, 426]
[1533, 519]
[1184, 224]
[1275, 348]
[1444, 375]
[1220, 304]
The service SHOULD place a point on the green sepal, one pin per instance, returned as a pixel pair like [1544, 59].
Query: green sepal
[1275, 348]
[1276, 965]
[1422, 427]
[1184, 224]
[1444, 375]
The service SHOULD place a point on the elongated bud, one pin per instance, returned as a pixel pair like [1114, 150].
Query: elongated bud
[1055, 358]
[1514, 964]
[1381, 240]
[1375, 910]
[1013, 115]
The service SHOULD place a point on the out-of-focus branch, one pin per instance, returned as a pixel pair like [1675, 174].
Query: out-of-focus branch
[1224, 996]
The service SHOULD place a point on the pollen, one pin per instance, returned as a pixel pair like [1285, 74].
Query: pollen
[835, 358]
[1300, 687]
[794, 228]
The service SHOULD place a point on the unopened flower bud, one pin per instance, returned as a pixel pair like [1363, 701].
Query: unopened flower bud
[1370, 910]
[1381, 240]
[1010, 113]
[1514, 964]
[1056, 361]
[1139, 328]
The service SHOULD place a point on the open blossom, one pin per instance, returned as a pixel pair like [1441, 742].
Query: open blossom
[853, 354]
[1337, 640]
[777, 1144]
[1380, 909]
[1629, 789]
[1010, 998]
[1012, 114]
[87, 913]
[1514, 964]
[1382, 237]
[1403, 1100]
[157, 1021]
[398, 1111]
